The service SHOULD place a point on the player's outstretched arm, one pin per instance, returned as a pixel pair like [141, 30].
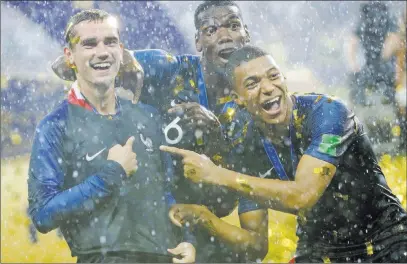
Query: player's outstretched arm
[312, 177]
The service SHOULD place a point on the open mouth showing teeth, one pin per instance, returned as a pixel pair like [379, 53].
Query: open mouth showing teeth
[225, 54]
[273, 104]
[101, 66]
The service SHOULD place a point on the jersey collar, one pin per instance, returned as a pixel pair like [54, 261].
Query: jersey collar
[75, 97]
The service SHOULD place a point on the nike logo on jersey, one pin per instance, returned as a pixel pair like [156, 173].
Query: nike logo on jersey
[90, 158]
[267, 173]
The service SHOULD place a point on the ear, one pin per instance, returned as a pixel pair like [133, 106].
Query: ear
[68, 55]
[237, 98]
[198, 44]
[246, 30]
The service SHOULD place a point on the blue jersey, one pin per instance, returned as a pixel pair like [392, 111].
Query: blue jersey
[357, 206]
[98, 208]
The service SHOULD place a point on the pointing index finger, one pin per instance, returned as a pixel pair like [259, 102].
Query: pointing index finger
[182, 152]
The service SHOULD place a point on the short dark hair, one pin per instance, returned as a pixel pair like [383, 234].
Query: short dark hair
[208, 4]
[85, 15]
[244, 54]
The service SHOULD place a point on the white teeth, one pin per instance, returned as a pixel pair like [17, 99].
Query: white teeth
[275, 99]
[101, 65]
[272, 101]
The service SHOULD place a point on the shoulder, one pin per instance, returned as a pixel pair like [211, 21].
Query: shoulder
[320, 103]
[55, 120]
[52, 128]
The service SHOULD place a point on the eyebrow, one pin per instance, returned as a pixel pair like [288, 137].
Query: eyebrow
[250, 78]
[272, 68]
[233, 16]
[228, 16]
[255, 77]
[111, 38]
[94, 40]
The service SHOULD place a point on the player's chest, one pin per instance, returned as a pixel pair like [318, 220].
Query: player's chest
[88, 142]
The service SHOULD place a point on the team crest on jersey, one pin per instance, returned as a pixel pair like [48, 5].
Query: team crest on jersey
[147, 142]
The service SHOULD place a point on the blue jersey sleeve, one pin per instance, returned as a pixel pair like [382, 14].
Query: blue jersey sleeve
[49, 203]
[158, 65]
[332, 128]
[167, 77]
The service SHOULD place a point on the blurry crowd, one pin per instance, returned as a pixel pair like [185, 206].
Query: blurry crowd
[378, 86]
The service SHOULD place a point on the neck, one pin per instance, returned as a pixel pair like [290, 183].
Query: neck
[101, 97]
[216, 85]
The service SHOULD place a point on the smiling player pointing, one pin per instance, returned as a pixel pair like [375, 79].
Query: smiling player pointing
[325, 170]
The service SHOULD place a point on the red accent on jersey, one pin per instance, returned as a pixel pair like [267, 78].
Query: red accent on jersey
[78, 100]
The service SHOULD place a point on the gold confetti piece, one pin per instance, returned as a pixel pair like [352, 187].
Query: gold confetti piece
[224, 100]
[298, 120]
[169, 57]
[396, 131]
[228, 115]
[342, 196]
[75, 40]
[369, 248]
[245, 128]
[177, 89]
[295, 112]
[237, 141]
[217, 158]
[318, 98]
[16, 138]
[4, 82]
[322, 171]
[192, 83]
[244, 184]
[326, 259]
[199, 141]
